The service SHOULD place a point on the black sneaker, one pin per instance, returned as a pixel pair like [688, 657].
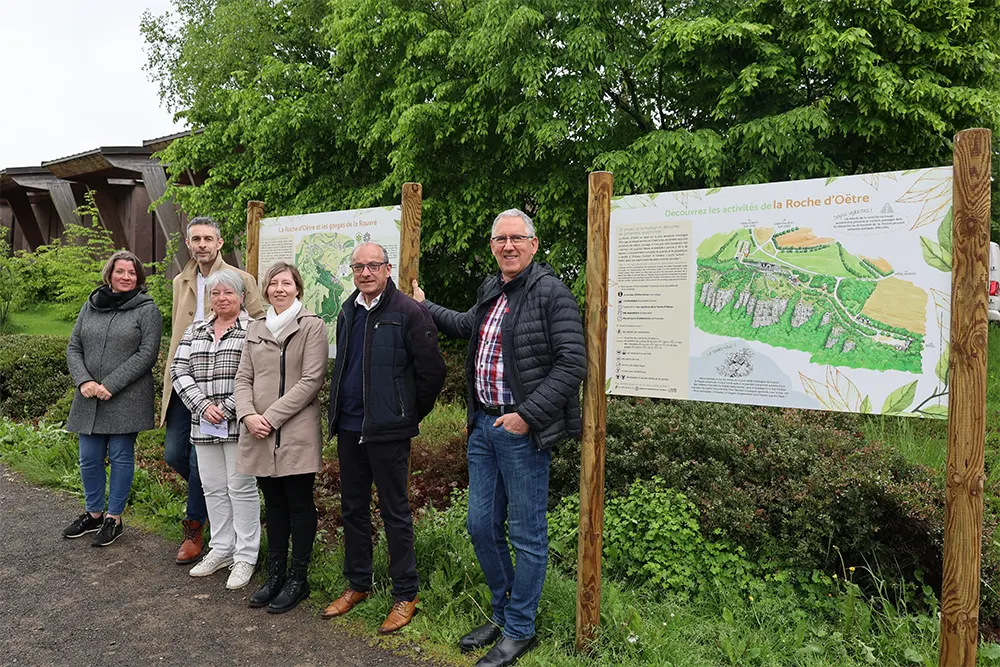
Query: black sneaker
[110, 531]
[84, 524]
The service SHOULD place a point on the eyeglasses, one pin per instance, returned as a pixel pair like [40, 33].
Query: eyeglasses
[371, 266]
[516, 239]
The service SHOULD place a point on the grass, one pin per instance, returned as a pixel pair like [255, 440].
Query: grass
[43, 319]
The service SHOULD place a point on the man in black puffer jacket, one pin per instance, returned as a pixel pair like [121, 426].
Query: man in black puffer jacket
[386, 377]
[525, 364]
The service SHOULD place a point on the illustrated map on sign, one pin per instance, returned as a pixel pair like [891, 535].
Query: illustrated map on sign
[795, 290]
[320, 245]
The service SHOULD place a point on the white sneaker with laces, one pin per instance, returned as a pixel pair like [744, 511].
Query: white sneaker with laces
[240, 575]
[212, 562]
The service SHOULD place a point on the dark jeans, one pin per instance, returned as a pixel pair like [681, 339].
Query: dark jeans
[290, 510]
[386, 464]
[180, 455]
[508, 495]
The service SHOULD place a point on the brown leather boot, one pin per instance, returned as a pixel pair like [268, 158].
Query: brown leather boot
[193, 543]
[344, 603]
[402, 613]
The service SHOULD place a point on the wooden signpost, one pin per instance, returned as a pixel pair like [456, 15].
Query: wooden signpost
[255, 213]
[967, 400]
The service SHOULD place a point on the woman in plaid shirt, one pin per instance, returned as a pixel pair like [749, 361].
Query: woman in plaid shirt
[204, 376]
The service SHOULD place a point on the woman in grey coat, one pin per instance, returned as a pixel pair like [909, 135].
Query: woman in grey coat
[111, 354]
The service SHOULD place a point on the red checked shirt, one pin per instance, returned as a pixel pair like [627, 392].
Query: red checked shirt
[491, 389]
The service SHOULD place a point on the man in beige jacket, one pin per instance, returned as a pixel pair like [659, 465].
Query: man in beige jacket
[191, 304]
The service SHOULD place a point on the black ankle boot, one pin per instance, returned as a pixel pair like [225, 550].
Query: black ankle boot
[295, 590]
[275, 580]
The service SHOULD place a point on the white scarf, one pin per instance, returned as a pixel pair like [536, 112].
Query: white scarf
[276, 323]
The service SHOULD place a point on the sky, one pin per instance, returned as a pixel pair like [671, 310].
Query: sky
[72, 79]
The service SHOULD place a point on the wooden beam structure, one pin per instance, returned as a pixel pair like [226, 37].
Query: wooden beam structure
[595, 403]
[25, 216]
[965, 476]
[170, 222]
[108, 208]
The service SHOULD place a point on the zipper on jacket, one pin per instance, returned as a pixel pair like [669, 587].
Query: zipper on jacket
[281, 383]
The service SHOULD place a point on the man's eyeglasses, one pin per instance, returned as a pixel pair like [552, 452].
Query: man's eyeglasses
[371, 266]
[516, 239]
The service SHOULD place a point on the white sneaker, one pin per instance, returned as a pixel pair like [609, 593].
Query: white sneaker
[212, 562]
[240, 575]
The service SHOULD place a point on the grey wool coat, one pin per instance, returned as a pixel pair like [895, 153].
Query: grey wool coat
[280, 378]
[116, 348]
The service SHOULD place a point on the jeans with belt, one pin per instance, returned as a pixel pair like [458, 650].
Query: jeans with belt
[509, 483]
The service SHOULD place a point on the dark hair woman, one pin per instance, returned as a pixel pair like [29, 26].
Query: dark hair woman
[111, 354]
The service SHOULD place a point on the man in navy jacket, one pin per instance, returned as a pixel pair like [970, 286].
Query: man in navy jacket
[387, 375]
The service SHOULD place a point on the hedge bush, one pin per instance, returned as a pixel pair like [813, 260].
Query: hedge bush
[795, 488]
[33, 374]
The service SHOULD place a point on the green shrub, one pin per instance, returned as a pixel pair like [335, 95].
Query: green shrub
[798, 488]
[33, 375]
[58, 412]
[652, 537]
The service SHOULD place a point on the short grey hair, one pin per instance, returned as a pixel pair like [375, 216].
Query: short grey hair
[515, 213]
[202, 220]
[385, 255]
[226, 278]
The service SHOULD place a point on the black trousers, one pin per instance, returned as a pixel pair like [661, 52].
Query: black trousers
[386, 464]
[290, 510]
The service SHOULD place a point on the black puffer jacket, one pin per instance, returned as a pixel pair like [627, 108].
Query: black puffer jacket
[403, 368]
[542, 333]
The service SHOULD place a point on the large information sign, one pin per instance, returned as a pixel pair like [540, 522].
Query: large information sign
[320, 245]
[830, 294]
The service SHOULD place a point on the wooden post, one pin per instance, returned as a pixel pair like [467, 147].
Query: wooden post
[409, 236]
[255, 212]
[595, 404]
[966, 401]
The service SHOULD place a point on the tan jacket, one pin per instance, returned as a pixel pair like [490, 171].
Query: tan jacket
[294, 447]
[185, 303]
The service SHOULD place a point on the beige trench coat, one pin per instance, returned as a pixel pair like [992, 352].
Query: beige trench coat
[182, 315]
[295, 445]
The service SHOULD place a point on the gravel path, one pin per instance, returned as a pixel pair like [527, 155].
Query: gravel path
[63, 602]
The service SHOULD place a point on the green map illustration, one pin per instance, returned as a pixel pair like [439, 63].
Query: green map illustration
[323, 259]
[794, 290]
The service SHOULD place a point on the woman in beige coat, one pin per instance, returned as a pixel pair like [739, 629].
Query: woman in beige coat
[281, 371]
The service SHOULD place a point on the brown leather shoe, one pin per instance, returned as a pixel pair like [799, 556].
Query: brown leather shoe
[344, 603]
[193, 543]
[402, 613]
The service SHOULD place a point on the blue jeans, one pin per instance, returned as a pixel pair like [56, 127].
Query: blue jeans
[509, 483]
[120, 449]
[181, 455]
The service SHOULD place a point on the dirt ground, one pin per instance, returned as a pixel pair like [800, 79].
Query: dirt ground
[64, 602]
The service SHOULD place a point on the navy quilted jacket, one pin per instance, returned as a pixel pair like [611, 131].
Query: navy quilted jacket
[403, 368]
[542, 333]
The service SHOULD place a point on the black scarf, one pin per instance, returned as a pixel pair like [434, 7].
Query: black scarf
[107, 299]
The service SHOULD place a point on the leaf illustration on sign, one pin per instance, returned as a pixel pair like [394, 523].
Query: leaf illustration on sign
[873, 179]
[942, 311]
[685, 197]
[635, 201]
[941, 370]
[712, 191]
[831, 180]
[940, 411]
[935, 256]
[866, 406]
[934, 190]
[900, 399]
[944, 230]
[837, 393]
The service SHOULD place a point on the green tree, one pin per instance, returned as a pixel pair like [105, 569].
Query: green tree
[497, 103]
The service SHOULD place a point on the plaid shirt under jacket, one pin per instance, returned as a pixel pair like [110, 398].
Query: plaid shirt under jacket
[204, 373]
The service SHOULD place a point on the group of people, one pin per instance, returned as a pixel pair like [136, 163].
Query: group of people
[241, 410]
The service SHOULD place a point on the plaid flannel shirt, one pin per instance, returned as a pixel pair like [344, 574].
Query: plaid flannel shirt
[491, 387]
[204, 373]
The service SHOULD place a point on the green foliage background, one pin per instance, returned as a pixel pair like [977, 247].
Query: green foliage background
[312, 105]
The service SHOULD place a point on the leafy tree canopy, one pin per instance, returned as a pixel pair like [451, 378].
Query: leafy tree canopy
[313, 105]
